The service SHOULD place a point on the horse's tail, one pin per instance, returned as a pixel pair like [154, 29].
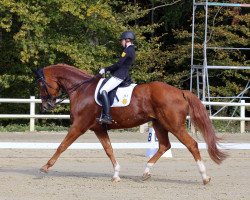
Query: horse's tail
[201, 121]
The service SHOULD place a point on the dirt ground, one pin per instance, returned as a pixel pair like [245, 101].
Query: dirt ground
[86, 174]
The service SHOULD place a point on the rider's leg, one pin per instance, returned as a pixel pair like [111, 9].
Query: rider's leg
[112, 83]
[105, 117]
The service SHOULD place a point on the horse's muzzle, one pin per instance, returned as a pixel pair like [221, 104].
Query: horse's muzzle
[47, 106]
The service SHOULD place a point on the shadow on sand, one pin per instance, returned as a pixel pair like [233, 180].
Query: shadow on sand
[90, 175]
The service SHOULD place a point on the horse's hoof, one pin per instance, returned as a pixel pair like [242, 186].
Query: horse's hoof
[207, 180]
[146, 176]
[116, 179]
[44, 171]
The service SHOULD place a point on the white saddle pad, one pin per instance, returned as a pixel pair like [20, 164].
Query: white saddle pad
[123, 93]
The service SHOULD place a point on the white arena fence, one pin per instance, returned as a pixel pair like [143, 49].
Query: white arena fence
[33, 116]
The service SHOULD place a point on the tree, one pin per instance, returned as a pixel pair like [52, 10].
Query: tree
[226, 29]
[81, 33]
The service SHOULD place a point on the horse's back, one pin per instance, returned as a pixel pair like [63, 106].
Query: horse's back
[160, 90]
[160, 95]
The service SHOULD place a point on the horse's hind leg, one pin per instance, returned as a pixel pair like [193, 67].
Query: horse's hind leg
[164, 145]
[105, 141]
[192, 146]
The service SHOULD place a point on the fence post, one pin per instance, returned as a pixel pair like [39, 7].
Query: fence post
[242, 115]
[32, 112]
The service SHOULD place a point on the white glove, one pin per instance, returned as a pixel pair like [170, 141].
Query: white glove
[102, 71]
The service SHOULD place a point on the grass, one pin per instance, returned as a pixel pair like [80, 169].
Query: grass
[220, 126]
[14, 128]
[26, 128]
[229, 127]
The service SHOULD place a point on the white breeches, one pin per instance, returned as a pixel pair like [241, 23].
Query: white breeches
[112, 83]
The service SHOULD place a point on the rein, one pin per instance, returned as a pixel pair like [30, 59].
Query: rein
[75, 87]
[62, 97]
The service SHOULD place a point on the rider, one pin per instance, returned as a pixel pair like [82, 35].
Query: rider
[119, 72]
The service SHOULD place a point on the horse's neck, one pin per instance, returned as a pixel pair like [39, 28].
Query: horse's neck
[70, 79]
[68, 83]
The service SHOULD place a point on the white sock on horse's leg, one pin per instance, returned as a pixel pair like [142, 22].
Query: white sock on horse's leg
[117, 169]
[202, 169]
[148, 168]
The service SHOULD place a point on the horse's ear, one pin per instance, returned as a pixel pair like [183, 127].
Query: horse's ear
[33, 71]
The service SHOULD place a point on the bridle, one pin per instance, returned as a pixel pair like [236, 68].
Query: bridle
[41, 78]
[48, 97]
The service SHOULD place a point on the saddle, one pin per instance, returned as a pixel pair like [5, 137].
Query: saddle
[118, 97]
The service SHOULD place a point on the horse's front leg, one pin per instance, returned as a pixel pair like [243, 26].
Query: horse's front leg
[74, 132]
[102, 135]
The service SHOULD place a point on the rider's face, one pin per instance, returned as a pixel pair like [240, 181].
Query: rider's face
[123, 43]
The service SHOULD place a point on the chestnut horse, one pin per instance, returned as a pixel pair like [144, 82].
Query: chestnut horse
[166, 106]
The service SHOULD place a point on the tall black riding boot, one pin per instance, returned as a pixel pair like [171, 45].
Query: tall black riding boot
[105, 117]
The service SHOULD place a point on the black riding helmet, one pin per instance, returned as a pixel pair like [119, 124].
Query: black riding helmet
[128, 35]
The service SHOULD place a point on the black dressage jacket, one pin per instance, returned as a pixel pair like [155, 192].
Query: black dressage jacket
[121, 68]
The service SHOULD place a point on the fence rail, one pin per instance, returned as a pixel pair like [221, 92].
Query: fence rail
[33, 101]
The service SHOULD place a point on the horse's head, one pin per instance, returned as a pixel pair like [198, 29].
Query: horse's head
[49, 89]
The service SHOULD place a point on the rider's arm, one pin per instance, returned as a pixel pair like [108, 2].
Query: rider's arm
[118, 64]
